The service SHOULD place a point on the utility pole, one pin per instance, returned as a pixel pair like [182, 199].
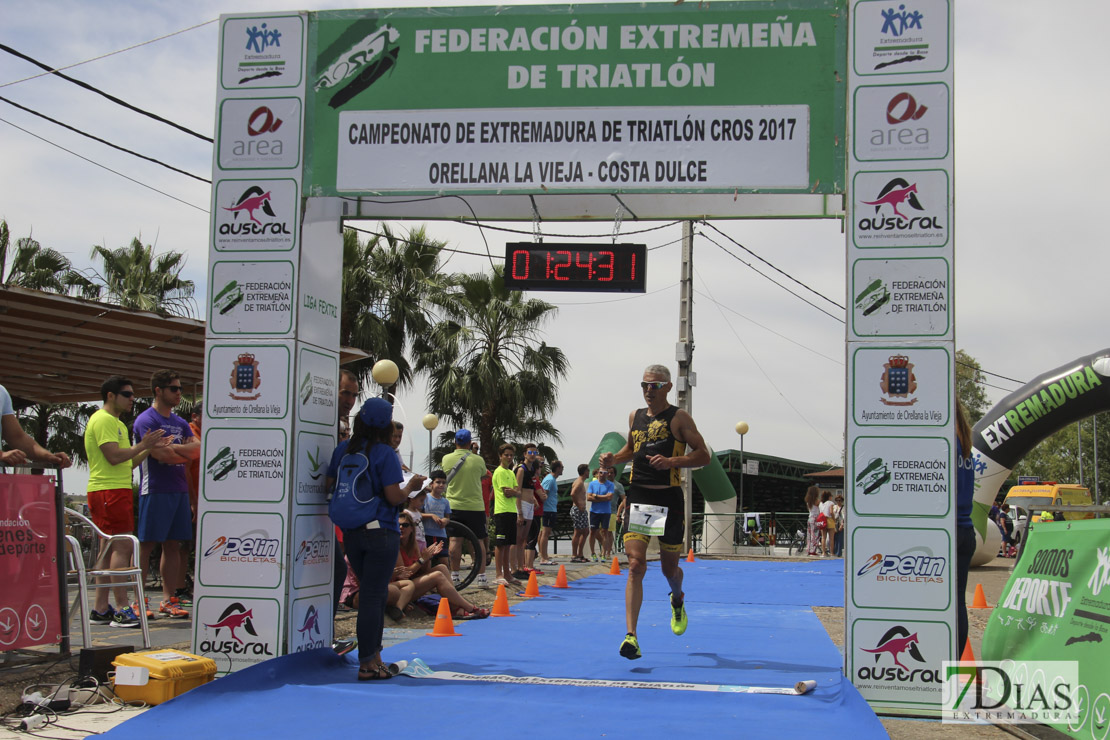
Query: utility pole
[684, 353]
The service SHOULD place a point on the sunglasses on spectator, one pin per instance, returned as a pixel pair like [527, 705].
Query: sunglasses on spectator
[655, 385]
[172, 388]
[126, 394]
[532, 452]
[405, 524]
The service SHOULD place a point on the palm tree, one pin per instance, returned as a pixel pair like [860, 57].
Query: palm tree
[135, 277]
[389, 283]
[40, 268]
[492, 371]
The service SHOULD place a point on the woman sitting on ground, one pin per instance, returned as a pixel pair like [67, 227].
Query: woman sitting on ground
[400, 595]
[414, 565]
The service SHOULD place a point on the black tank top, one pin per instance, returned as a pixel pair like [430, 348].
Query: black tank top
[528, 479]
[652, 435]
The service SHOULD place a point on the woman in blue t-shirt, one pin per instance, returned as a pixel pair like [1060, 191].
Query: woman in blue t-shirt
[367, 474]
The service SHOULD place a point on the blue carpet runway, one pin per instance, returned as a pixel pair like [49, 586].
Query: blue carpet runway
[750, 624]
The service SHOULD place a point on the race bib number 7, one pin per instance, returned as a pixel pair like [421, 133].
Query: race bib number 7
[649, 520]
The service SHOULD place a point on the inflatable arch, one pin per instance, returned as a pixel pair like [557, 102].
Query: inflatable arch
[1020, 421]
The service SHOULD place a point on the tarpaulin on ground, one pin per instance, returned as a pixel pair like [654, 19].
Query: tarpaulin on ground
[737, 636]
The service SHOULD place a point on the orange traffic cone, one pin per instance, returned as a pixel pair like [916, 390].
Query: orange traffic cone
[616, 569]
[980, 600]
[501, 603]
[690, 556]
[561, 578]
[533, 587]
[968, 655]
[444, 627]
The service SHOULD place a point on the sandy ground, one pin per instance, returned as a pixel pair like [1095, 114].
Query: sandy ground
[992, 577]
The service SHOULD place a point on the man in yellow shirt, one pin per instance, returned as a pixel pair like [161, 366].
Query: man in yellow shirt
[111, 457]
[505, 489]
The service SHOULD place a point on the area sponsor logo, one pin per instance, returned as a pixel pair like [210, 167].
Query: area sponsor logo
[896, 645]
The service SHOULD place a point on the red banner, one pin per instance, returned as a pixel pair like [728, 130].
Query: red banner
[29, 610]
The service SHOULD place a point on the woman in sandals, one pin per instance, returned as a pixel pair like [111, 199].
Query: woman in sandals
[415, 565]
[367, 478]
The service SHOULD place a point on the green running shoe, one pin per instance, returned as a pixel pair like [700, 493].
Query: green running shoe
[678, 617]
[630, 648]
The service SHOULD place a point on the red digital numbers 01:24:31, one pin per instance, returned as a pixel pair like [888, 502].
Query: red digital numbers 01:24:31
[577, 267]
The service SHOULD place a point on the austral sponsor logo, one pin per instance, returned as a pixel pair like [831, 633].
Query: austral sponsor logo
[232, 633]
[895, 205]
[911, 566]
[898, 659]
[309, 631]
[314, 550]
[252, 547]
[245, 212]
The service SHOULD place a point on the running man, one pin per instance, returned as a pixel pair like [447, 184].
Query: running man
[657, 438]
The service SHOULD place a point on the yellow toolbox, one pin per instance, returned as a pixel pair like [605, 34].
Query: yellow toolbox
[168, 673]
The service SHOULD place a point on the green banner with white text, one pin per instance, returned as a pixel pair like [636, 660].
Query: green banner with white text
[657, 97]
[1056, 606]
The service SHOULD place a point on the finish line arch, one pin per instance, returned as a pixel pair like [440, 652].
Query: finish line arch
[807, 109]
[1025, 418]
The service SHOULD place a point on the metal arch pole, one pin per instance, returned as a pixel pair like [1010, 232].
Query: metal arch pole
[684, 353]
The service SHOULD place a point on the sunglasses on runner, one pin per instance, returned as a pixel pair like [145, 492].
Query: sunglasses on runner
[655, 385]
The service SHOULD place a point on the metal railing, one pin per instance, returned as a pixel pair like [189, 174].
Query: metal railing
[777, 533]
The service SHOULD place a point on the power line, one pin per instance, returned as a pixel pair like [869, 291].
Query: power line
[98, 91]
[752, 267]
[766, 376]
[103, 141]
[111, 53]
[143, 184]
[781, 272]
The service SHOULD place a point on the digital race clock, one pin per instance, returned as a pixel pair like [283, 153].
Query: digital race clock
[577, 267]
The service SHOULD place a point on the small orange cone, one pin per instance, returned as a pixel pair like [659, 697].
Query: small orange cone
[533, 587]
[968, 655]
[616, 569]
[561, 578]
[980, 600]
[444, 627]
[690, 556]
[501, 603]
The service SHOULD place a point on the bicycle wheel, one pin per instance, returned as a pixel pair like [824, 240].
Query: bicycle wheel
[470, 564]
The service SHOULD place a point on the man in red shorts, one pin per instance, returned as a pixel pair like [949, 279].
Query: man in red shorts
[111, 457]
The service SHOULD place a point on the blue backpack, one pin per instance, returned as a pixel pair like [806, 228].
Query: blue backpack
[355, 500]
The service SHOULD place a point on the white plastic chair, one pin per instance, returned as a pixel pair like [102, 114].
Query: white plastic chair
[86, 575]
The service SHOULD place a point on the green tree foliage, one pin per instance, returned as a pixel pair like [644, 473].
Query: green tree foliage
[389, 284]
[33, 266]
[1058, 457]
[136, 278]
[969, 386]
[488, 366]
